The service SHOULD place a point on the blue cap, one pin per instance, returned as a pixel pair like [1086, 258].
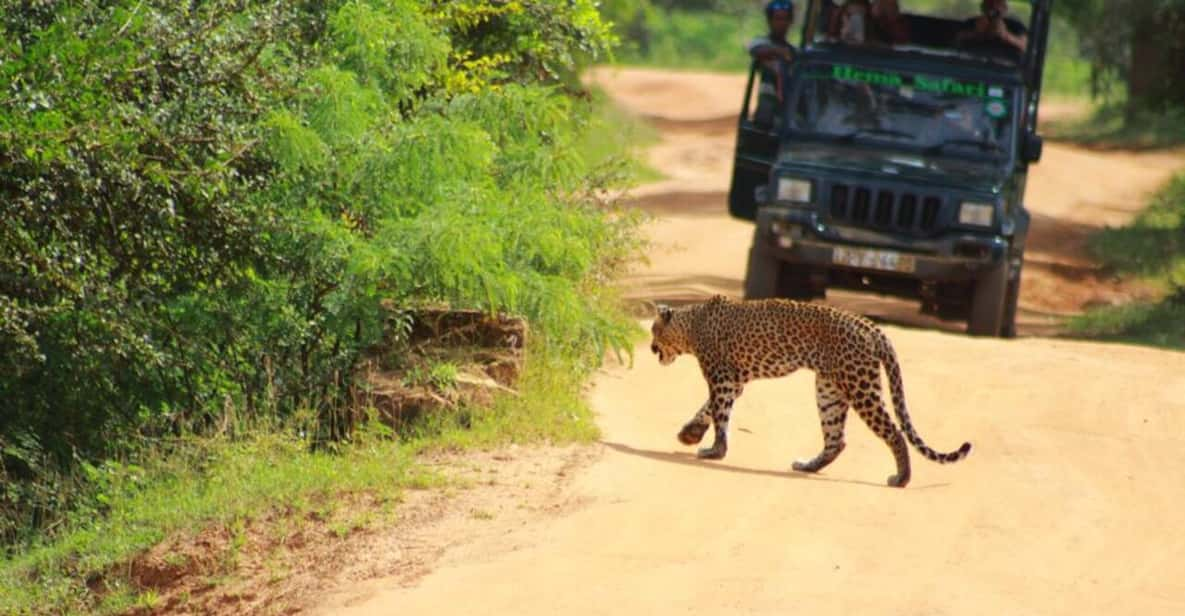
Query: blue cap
[778, 5]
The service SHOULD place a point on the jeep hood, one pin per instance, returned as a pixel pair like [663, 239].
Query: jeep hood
[959, 174]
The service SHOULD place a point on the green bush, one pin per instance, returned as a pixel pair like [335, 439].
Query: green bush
[205, 205]
[1114, 124]
[705, 41]
[1154, 243]
[126, 166]
[1150, 247]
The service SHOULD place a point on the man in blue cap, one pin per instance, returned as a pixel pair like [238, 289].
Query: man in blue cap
[774, 52]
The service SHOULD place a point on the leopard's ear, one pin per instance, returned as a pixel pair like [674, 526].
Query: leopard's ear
[664, 313]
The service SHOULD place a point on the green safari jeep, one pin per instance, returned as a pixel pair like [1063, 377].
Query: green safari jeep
[894, 169]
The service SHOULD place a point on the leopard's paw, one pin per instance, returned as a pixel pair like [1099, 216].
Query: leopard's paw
[692, 433]
[711, 453]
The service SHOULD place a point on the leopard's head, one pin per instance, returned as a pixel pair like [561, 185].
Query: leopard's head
[668, 336]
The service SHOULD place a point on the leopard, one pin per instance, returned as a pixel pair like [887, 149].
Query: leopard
[738, 341]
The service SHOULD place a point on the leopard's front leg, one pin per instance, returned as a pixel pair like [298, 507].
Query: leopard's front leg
[693, 431]
[719, 407]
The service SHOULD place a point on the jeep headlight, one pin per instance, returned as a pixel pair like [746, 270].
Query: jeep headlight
[978, 214]
[794, 190]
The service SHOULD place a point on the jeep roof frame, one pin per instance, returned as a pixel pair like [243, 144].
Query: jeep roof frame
[1031, 68]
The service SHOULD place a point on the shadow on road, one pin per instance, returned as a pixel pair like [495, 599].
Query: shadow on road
[720, 125]
[683, 203]
[689, 459]
[676, 290]
[1056, 237]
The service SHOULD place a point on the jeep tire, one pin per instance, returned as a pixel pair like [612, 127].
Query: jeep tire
[761, 274]
[767, 276]
[1011, 301]
[988, 297]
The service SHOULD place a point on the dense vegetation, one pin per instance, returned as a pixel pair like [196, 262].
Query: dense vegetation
[1137, 44]
[204, 205]
[1151, 247]
[700, 35]
[1138, 48]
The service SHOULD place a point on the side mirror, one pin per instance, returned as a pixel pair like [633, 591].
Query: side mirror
[1031, 148]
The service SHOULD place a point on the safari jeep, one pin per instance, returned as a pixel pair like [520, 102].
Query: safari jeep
[899, 170]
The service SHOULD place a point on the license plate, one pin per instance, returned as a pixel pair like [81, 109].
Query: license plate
[884, 260]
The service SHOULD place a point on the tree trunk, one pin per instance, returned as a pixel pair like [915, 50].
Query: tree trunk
[1156, 76]
[1146, 58]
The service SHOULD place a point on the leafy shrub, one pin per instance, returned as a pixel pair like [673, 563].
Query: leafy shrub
[1152, 247]
[205, 205]
[126, 159]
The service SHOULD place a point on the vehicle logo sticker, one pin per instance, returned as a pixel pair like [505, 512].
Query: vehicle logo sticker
[996, 108]
[907, 161]
[908, 85]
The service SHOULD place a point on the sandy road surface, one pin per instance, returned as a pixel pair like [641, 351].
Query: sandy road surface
[1070, 503]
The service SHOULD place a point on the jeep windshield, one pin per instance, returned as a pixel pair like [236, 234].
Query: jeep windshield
[938, 116]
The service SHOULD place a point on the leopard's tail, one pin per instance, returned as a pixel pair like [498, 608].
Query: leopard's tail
[888, 357]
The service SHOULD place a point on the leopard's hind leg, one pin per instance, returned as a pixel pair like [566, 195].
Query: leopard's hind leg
[865, 395]
[833, 412]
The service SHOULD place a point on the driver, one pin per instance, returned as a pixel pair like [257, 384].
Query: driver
[774, 53]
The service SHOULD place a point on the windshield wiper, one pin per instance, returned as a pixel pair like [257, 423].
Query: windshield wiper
[873, 131]
[982, 145]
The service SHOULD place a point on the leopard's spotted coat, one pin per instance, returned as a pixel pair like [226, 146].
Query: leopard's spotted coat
[739, 341]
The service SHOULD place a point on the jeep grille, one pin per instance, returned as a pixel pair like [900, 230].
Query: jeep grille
[884, 208]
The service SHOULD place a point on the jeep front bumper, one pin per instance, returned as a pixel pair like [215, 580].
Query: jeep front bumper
[799, 236]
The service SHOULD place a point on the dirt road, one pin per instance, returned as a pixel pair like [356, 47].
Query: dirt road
[1069, 504]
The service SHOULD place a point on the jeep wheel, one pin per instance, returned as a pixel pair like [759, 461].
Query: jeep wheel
[795, 283]
[762, 273]
[767, 276]
[1011, 301]
[987, 302]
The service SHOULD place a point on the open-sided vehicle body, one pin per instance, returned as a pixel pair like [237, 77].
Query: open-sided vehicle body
[894, 169]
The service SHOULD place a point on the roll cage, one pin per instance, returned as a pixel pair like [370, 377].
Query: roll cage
[932, 36]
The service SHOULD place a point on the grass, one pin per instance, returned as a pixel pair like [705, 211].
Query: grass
[442, 375]
[223, 483]
[1111, 126]
[696, 40]
[1159, 324]
[1152, 247]
[200, 483]
[615, 135]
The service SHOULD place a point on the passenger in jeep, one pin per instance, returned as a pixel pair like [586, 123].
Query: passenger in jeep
[774, 53]
[850, 23]
[889, 25]
[994, 33]
[860, 22]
